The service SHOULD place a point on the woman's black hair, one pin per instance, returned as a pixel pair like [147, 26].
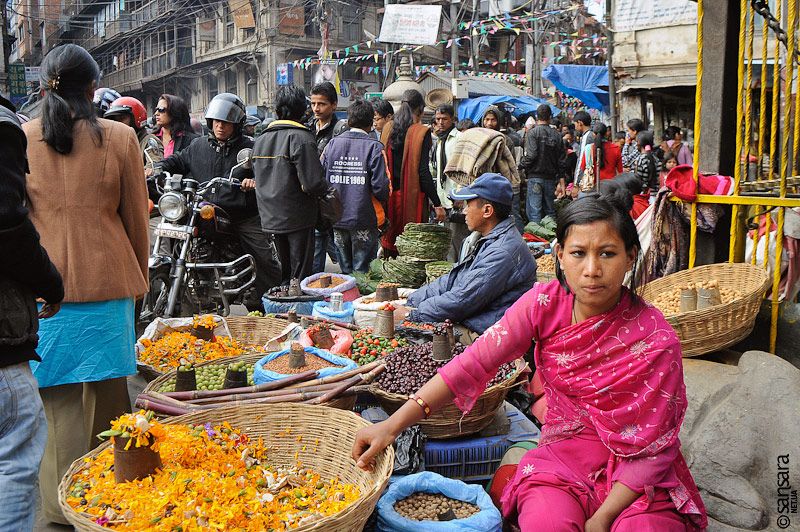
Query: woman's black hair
[599, 130]
[290, 103]
[413, 104]
[180, 121]
[383, 108]
[623, 187]
[67, 74]
[612, 208]
[645, 138]
[669, 155]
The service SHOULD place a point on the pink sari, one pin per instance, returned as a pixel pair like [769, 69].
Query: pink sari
[615, 396]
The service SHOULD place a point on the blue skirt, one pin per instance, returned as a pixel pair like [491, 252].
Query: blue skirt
[87, 342]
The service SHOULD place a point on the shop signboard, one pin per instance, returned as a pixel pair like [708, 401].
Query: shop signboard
[411, 24]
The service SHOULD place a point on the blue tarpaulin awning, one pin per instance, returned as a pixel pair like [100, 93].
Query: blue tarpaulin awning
[584, 82]
[473, 108]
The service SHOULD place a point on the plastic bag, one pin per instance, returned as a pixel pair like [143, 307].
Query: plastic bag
[409, 447]
[322, 309]
[302, 308]
[342, 341]
[348, 288]
[365, 308]
[487, 520]
[263, 376]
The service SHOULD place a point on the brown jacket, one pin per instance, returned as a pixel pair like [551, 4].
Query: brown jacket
[90, 208]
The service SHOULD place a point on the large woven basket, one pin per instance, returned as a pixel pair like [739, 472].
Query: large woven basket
[342, 403]
[711, 329]
[450, 422]
[335, 430]
[255, 330]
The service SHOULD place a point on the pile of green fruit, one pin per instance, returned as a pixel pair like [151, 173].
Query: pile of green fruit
[212, 376]
[367, 348]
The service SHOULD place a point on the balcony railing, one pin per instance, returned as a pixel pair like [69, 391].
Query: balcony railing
[124, 78]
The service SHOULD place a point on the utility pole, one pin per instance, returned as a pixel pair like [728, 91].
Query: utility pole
[6, 47]
[529, 62]
[475, 38]
[454, 36]
[612, 85]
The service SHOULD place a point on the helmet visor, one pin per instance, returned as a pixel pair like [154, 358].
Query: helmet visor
[225, 111]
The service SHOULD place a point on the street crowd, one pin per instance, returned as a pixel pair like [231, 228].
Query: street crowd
[74, 210]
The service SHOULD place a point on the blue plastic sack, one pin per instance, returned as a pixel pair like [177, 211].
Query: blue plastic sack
[262, 376]
[322, 309]
[303, 308]
[487, 520]
[348, 284]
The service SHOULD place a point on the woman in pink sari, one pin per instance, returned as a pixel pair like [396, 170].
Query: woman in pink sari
[609, 456]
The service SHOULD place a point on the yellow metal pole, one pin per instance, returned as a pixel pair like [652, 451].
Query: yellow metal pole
[762, 110]
[775, 124]
[698, 106]
[776, 279]
[737, 171]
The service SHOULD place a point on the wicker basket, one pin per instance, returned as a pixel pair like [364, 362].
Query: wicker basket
[544, 277]
[342, 403]
[335, 430]
[450, 422]
[714, 328]
[254, 330]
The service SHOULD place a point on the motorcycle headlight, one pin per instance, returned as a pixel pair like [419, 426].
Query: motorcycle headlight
[172, 207]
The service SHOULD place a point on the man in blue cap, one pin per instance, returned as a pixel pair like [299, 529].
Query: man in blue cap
[495, 270]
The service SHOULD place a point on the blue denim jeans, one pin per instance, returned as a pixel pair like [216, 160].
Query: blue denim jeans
[357, 248]
[516, 212]
[541, 197]
[23, 434]
[323, 245]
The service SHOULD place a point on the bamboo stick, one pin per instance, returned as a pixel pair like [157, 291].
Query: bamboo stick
[160, 408]
[273, 385]
[340, 376]
[334, 393]
[272, 393]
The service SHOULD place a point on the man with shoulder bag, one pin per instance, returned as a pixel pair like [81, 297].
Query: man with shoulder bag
[25, 274]
[290, 185]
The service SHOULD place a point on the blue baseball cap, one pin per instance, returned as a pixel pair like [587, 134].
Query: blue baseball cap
[490, 186]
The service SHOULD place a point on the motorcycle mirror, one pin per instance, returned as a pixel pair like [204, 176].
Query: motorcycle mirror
[153, 143]
[245, 158]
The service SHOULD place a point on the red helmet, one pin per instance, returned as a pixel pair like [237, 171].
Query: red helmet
[130, 105]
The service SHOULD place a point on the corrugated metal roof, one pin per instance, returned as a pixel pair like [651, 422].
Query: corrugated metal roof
[477, 86]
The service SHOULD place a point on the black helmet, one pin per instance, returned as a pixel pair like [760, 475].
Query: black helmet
[226, 107]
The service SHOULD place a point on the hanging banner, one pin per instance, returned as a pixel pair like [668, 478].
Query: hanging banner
[292, 21]
[285, 74]
[328, 70]
[242, 14]
[632, 15]
[207, 30]
[411, 24]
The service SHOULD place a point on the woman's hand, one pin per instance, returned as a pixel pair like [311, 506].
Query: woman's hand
[49, 310]
[370, 442]
[598, 523]
[441, 213]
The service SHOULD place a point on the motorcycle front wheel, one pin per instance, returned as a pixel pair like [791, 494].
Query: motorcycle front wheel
[154, 302]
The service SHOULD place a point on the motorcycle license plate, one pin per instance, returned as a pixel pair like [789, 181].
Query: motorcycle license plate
[166, 230]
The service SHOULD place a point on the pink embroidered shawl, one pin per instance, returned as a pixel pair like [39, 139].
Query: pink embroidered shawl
[618, 374]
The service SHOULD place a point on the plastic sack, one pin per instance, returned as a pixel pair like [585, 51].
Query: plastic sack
[323, 310]
[342, 341]
[263, 376]
[161, 326]
[348, 288]
[302, 308]
[365, 308]
[487, 520]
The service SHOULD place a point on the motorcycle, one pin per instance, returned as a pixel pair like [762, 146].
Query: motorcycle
[204, 270]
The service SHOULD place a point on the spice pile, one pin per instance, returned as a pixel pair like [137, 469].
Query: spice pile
[669, 303]
[432, 506]
[179, 348]
[212, 478]
[546, 264]
[367, 348]
[210, 377]
[281, 364]
[409, 368]
[335, 281]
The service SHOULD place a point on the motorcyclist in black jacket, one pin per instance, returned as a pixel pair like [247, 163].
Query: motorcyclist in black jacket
[214, 156]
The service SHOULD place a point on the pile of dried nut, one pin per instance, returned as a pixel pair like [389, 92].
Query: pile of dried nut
[546, 263]
[670, 302]
[433, 507]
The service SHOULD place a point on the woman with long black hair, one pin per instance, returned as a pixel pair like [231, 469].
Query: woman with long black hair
[408, 154]
[174, 124]
[88, 200]
[603, 157]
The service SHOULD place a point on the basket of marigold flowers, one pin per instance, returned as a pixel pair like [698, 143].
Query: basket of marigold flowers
[255, 467]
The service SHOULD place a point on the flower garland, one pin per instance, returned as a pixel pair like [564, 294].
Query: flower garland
[213, 477]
